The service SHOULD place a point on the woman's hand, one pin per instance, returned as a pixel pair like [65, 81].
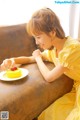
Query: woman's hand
[7, 64]
[36, 53]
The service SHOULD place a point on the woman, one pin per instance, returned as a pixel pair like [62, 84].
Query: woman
[64, 52]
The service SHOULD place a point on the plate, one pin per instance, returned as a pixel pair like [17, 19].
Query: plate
[3, 76]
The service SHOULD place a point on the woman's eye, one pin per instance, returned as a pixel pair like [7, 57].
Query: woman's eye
[38, 37]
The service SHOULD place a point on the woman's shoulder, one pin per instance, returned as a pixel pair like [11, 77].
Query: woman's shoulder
[71, 47]
[71, 42]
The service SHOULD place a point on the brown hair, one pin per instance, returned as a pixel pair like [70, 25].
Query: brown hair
[45, 20]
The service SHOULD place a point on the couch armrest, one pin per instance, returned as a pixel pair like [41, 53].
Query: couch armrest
[27, 98]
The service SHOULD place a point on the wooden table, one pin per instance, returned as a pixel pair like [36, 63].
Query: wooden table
[26, 98]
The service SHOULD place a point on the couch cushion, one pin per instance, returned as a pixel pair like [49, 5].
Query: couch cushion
[15, 41]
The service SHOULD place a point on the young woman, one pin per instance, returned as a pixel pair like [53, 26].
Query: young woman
[64, 52]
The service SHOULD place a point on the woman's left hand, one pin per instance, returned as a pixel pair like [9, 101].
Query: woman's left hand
[36, 53]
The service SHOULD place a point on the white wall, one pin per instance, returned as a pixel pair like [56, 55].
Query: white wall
[19, 11]
[74, 19]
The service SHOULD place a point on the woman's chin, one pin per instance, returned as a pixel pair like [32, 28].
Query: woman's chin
[51, 48]
[44, 48]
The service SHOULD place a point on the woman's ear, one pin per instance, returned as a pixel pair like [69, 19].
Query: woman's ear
[52, 33]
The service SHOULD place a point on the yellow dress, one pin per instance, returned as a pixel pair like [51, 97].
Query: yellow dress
[68, 106]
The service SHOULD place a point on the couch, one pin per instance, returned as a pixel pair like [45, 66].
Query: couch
[26, 99]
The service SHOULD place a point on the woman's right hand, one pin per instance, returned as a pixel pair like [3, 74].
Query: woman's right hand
[7, 64]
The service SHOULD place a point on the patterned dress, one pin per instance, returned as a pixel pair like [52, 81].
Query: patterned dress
[68, 106]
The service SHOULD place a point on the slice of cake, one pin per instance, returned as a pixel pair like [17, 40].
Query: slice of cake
[13, 72]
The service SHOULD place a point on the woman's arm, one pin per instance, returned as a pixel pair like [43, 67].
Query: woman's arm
[48, 75]
[24, 60]
[8, 63]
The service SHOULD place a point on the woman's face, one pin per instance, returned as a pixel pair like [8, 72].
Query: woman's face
[43, 40]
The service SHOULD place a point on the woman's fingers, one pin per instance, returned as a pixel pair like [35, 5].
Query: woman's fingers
[7, 64]
[12, 63]
[36, 53]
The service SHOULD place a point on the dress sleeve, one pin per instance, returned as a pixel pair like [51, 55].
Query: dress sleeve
[48, 55]
[70, 56]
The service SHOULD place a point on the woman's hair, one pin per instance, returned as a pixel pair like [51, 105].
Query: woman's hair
[45, 20]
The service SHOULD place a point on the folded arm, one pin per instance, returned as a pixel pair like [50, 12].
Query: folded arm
[49, 75]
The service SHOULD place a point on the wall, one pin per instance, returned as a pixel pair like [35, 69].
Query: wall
[19, 11]
[74, 21]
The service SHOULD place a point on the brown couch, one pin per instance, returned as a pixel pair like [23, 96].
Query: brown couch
[26, 99]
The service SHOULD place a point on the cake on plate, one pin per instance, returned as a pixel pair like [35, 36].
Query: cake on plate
[14, 72]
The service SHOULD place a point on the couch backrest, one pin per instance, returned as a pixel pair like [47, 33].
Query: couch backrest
[15, 41]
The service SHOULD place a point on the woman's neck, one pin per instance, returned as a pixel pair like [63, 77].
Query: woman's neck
[59, 43]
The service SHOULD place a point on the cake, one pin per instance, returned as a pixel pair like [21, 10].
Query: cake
[14, 72]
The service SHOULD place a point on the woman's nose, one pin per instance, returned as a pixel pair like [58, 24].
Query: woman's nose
[37, 42]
